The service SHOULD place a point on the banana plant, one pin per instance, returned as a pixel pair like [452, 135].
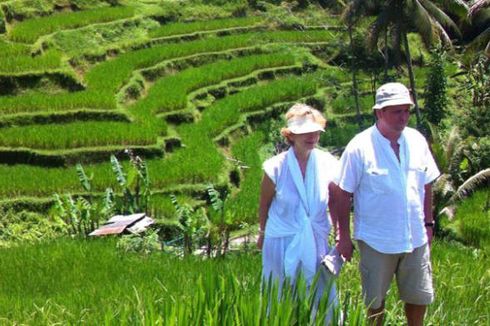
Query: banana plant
[223, 218]
[192, 222]
[135, 184]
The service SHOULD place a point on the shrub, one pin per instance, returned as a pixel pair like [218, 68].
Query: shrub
[25, 226]
[435, 89]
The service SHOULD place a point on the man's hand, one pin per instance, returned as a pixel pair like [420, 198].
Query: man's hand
[345, 247]
[260, 241]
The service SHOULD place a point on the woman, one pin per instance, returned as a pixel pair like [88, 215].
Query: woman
[294, 225]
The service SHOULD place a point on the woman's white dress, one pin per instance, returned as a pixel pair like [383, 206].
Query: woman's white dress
[298, 224]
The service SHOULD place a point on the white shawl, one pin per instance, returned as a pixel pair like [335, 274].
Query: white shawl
[302, 251]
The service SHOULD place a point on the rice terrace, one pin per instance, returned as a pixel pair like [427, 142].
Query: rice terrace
[170, 107]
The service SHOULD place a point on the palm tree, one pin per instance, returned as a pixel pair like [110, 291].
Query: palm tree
[401, 16]
[352, 12]
[479, 13]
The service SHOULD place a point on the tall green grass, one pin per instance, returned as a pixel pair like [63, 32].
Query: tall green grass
[82, 134]
[96, 40]
[473, 219]
[199, 26]
[178, 86]
[9, 49]
[39, 101]
[14, 64]
[90, 282]
[246, 202]
[199, 161]
[29, 31]
[112, 74]
[105, 79]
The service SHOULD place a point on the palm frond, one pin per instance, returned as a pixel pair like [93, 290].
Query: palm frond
[471, 184]
[477, 6]
[423, 23]
[444, 186]
[381, 24]
[440, 16]
[457, 8]
[443, 35]
[479, 43]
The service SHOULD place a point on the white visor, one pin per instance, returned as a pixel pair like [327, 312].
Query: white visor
[303, 125]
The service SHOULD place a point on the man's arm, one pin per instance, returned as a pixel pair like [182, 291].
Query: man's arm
[428, 213]
[333, 209]
[342, 204]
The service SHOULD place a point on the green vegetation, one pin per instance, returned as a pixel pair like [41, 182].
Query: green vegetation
[81, 134]
[199, 88]
[201, 26]
[96, 284]
[14, 63]
[97, 40]
[246, 202]
[473, 216]
[8, 49]
[178, 86]
[29, 31]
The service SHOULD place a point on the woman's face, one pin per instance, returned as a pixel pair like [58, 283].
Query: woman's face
[306, 141]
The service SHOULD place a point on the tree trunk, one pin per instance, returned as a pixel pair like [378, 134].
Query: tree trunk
[355, 88]
[385, 77]
[412, 79]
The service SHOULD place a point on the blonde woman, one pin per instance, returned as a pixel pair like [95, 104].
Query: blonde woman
[294, 223]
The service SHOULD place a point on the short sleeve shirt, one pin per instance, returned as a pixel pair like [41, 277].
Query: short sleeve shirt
[388, 193]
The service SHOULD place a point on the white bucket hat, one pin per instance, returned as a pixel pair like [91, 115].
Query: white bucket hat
[303, 125]
[392, 94]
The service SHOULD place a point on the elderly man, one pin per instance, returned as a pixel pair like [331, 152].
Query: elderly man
[388, 170]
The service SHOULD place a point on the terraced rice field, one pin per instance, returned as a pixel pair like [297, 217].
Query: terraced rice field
[189, 97]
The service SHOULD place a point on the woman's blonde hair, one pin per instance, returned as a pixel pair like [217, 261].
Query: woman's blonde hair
[299, 110]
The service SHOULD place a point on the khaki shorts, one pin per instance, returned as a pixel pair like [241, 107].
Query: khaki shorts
[413, 275]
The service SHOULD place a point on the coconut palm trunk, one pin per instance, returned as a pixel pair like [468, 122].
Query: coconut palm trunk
[355, 87]
[412, 79]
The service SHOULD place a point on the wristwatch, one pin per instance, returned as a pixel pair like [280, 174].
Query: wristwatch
[429, 224]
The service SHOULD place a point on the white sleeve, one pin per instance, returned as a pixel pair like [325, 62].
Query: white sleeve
[270, 168]
[350, 169]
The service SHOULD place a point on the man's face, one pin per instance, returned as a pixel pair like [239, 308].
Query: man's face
[394, 118]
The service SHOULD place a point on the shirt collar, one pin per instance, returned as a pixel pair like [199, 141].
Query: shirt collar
[384, 140]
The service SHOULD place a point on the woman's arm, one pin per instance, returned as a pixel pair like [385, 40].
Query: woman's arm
[267, 192]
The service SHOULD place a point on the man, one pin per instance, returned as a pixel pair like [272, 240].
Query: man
[388, 169]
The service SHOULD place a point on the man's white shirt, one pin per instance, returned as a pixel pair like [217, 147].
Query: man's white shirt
[388, 193]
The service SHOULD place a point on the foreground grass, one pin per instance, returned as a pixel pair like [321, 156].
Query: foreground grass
[90, 282]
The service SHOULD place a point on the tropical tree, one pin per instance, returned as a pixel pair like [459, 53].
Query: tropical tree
[399, 17]
[351, 14]
[479, 14]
